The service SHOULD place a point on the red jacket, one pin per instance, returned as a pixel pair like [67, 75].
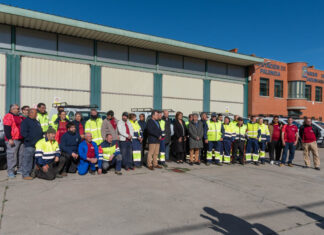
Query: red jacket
[9, 120]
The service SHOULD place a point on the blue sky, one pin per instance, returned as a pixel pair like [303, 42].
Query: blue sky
[284, 30]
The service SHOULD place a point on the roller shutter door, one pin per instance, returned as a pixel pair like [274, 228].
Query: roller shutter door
[2, 84]
[124, 89]
[42, 80]
[225, 95]
[182, 94]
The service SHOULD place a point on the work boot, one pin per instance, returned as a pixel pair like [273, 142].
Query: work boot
[118, 173]
[197, 163]
[64, 174]
[281, 164]
[290, 164]
[219, 164]
[158, 166]
[151, 168]
[59, 176]
[257, 163]
[165, 165]
[207, 163]
[317, 168]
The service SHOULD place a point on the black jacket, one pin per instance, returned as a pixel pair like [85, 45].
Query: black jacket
[153, 132]
[315, 130]
[32, 131]
[167, 130]
[179, 131]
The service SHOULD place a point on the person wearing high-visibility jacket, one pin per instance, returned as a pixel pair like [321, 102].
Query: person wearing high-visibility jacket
[252, 146]
[109, 155]
[264, 138]
[239, 131]
[214, 132]
[42, 117]
[55, 116]
[93, 126]
[162, 141]
[49, 162]
[136, 140]
[234, 122]
[228, 138]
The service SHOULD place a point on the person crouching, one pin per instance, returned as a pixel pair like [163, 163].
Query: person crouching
[89, 155]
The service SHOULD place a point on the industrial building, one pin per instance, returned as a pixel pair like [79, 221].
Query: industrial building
[44, 57]
[287, 89]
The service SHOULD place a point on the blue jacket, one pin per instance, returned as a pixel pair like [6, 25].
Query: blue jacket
[32, 132]
[153, 131]
[83, 150]
[70, 142]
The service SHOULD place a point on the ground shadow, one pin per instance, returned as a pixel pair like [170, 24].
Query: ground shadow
[230, 224]
[314, 216]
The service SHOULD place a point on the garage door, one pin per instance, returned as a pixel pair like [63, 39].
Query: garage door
[42, 80]
[124, 89]
[182, 94]
[225, 96]
[2, 84]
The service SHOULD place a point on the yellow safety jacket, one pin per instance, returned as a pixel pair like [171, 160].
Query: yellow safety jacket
[43, 120]
[53, 119]
[228, 131]
[46, 151]
[264, 132]
[214, 132]
[162, 125]
[240, 132]
[106, 152]
[94, 127]
[252, 130]
[137, 129]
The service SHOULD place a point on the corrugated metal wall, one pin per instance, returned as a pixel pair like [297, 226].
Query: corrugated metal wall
[42, 80]
[2, 84]
[182, 94]
[225, 95]
[125, 89]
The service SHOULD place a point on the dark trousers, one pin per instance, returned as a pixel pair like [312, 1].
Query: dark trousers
[126, 152]
[203, 152]
[291, 147]
[275, 150]
[238, 146]
[180, 156]
[27, 161]
[53, 170]
[71, 164]
[117, 161]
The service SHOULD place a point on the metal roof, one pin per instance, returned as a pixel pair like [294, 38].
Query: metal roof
[56, 24]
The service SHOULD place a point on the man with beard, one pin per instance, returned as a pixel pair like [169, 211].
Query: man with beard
[93, 126]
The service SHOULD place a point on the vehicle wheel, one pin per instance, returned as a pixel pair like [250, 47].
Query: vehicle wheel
[3, 164]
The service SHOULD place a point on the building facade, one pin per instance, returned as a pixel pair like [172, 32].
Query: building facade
[45, 57]
[287, 89]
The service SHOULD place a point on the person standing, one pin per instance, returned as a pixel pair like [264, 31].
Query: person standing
[126, 134]
[89, 156]
[309, 135]
[204, 119]
[275, 144]
[14, 140]
[60, 125]
[136, 141]
[239, 141]
[93, 126]
[214, 139]
[24, 112]
[264, 138]
[142, 124]
[69, 149]
[180, 136]
[289, 141]
[47, 156]
[42, 117]
[79, 124]
[167, 137]
[162, 141]
[32, 132]
[196, 134]
[109, 127]
[109, 154]
[228, 138]
[55, 116]
[252, 146]
[154, 136]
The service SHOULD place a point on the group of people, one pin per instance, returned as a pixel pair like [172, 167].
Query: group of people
[51, 148]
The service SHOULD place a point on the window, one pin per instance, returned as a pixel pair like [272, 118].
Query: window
[308, 92]
[264, 87]
[318, 94]
[278, 89]
[296, 90]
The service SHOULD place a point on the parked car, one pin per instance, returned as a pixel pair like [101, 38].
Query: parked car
[3, 159]
[72, 109]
